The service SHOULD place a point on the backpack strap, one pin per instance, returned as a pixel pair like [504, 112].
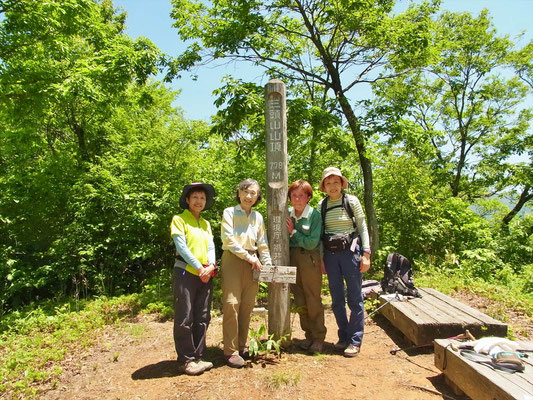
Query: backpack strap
[389, 260]
[323, 210]
[348, 208]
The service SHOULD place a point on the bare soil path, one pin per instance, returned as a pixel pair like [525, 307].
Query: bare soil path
[137, 361]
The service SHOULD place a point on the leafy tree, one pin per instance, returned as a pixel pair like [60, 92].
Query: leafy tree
[65, 69]
[422, 221]
[522, 174]
[124, 205]
[314, 134]
[463, 114]
[64, 65]
[520, 60]
[334, 45]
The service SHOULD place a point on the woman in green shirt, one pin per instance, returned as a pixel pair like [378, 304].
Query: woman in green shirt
[305, 227]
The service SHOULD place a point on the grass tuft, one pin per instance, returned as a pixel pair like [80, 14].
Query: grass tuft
[279, 379]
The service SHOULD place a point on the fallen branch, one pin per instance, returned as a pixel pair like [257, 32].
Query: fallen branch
[421, 366]
[432, 391]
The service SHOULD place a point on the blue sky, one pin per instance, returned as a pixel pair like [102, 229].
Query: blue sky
[151, 18]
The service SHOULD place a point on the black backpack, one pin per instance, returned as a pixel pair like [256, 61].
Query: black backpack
[398, 276]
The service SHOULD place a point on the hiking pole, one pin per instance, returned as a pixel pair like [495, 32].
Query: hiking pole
[383, 305]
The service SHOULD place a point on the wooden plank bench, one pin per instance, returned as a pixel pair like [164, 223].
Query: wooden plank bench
[480, 381]
[435, 315]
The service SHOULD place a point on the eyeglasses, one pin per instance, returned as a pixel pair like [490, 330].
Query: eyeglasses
[251, 193]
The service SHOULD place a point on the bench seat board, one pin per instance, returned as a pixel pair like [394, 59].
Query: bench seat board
[435, 315]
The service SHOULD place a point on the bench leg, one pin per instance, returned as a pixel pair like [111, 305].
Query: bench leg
[453, 386]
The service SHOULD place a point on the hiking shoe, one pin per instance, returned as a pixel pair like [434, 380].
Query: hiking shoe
[351, 351]
[245, 353]
[206, 365]
[340, 345]
[191, 368]
[316, 347]
[235, 361]
[304, 344]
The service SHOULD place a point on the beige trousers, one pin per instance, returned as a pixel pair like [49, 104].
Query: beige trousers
[306, 292]
[239, 291]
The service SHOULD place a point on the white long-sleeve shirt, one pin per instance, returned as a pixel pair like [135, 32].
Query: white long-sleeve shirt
[242, 234]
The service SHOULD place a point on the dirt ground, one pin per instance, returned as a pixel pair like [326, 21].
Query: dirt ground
[138, 361]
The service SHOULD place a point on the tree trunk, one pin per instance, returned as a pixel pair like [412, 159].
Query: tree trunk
[312, 157]
[527, 194]
[82, 144]
[366, 167]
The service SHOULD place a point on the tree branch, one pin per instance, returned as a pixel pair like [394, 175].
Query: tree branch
[525, 196]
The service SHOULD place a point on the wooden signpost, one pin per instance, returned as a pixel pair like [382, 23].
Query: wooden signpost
[275, 274]
[277, 186]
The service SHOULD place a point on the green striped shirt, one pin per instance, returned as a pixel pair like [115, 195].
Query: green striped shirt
[338, 221]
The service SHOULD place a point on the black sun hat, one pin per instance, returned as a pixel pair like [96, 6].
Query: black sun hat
[209, 190]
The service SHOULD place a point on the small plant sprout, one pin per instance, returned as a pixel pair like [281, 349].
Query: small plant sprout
[262, 348]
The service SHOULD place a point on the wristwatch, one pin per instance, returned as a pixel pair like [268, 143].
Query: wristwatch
[293, 232]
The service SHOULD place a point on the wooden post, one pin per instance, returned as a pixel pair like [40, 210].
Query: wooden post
[277, 185]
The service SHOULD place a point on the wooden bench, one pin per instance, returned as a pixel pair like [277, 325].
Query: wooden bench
[435, 315]
[480, 381]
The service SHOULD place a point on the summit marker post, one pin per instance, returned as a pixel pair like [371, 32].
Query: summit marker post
[277, 186]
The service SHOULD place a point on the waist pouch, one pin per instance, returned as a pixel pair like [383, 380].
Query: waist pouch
[337, 242]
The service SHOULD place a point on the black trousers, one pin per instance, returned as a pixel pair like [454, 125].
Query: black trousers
[192, 314]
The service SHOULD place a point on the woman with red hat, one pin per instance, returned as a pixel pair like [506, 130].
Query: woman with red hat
[194, 267]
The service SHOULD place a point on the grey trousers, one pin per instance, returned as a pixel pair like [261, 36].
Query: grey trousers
[192, 314]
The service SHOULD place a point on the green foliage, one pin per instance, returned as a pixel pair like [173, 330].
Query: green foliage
[35, 343]
[455, 128]
[505, 297]
[262, 293]
[371, 306]
[439, 231]
[463, 114]
[516, 245]
[322, 50]
[35, 340]
[262, 348]
[87, 210]
[94, 155]
[66, 74]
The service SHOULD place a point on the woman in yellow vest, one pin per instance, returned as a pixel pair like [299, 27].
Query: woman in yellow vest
[194, 267]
